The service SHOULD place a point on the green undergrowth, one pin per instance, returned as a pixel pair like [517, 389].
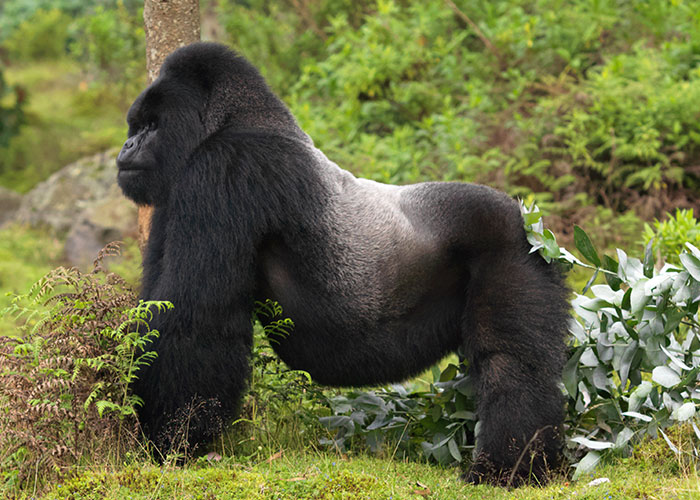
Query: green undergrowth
[67, 117]
[25, 256]
[314, 475]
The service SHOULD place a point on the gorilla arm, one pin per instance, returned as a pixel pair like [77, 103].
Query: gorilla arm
[200, 262]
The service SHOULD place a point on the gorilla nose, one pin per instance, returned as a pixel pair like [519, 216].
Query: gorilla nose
[123, 158]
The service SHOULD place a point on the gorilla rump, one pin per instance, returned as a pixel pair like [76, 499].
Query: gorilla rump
[381, 281]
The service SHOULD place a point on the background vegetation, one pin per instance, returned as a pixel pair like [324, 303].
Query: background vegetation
[588, 107]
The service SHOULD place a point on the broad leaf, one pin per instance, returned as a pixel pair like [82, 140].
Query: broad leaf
[454, 450]
[665, 377]
[626, 362]
[684, 412]
[593, 445]
[584, 245]
[569, 376]
[637, 415]
[623, 438]
[611, 265]
[648, 264]
[587, 464]
[691, 264]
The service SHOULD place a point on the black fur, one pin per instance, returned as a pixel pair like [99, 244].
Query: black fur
[381, 281]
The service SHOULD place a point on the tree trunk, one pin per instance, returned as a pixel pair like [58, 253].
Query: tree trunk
[169, 24]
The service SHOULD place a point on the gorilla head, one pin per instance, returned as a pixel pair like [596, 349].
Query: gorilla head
[200, 87]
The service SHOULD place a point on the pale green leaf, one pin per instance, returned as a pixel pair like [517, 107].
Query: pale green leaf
[684, 412]
[593, 445]
[587, 464]
[665, 376]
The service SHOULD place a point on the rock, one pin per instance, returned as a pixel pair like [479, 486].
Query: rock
[83, 203]
[9, 204]
[110, 220]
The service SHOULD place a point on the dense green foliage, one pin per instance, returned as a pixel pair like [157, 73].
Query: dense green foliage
[14, 13]
[669, 237]
[634, 366]
[586, 102]
[579, 103]
[78, 66]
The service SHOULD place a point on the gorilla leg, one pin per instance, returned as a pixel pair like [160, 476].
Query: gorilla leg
[515, 323]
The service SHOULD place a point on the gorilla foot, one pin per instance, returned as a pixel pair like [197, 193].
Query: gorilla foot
[185, 432]
[533, 471]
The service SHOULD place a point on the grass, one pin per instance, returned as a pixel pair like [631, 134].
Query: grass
[320, 475]
[25, 256]
[68, 117]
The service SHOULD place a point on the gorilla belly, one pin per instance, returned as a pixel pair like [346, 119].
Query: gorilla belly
[381, 326]
[384, 352]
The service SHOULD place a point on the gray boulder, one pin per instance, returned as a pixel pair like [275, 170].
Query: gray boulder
[82, 203]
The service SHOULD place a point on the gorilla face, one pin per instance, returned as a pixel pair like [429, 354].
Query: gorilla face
[165, 127]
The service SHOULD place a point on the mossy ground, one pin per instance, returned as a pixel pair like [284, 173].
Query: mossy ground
[329, 476]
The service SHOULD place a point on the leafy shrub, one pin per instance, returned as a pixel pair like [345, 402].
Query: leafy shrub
[382, 95]
[438, 423]
[15, 12]
[670, 236]
[42, 36]
[12, 116]
[65, 379]
[633, 367]
[588, 102]
[110, 43]
[629, 128]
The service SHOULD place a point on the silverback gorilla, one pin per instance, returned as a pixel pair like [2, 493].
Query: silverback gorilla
[381, 281]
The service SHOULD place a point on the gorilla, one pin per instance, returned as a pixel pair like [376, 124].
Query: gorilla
[381, 281]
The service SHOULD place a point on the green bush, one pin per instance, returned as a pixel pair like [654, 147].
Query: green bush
[110, 43]
[578, 102]
[633, 126]
[15, 12]
[380, 102]
[43, 36]
[280, 40]
[670, 236]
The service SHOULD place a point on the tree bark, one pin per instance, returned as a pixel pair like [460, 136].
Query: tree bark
[169, 24]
